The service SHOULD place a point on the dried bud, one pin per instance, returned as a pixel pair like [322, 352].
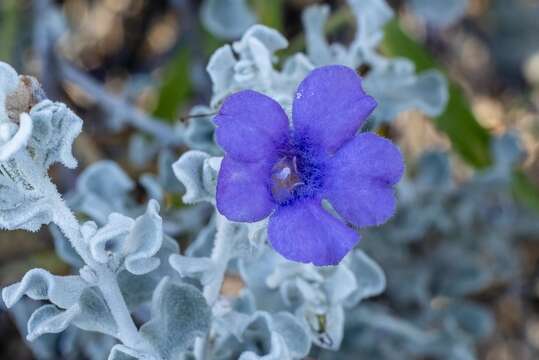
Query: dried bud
[27, 94]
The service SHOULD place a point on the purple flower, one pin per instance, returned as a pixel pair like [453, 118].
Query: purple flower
[273, 169]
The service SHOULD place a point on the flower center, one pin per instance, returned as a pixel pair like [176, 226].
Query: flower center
[285, 178]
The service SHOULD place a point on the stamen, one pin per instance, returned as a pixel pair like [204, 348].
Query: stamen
[284, 173]
[285, 178]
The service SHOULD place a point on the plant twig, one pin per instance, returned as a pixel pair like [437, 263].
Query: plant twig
[135, 117]
[221, 256]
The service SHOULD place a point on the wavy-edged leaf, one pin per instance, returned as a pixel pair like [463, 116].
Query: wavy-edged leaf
[248, 64]
[198, 173]
[468, 137]
[257, 333]
[221, 70]
[200, 130]
[194, 267]
[227, 19]
[144, 241]
[371, 16]
[39, 284]
[64, 249]
[370, 277]
[8, 83]
[397, 88]
[94, 313]
[132, 243]
[327, 328]
[107, 241]
[341, 284]
[122, 352]
[55, 128]
[89, 313]
[102, 189]
[293, 332]
[179, 315]
[13, 137]
[138, 289]
[440, 13]
[277, 350]
[25, 209]
[48, 319]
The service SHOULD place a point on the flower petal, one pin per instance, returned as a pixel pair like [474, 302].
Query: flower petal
[250, 126]
[360, 178]
[330, 106]
[303, 231]
[243, 190]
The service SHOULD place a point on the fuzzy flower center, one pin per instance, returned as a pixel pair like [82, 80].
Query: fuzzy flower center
[298, 174]
[285, 178]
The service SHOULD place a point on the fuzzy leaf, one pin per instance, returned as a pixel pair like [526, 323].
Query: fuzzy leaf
[397, 88]
[202, 245]
[258, 334]
[198, 173]
[340, 285]
[326, 329]
[278, 350]
[121, 352]
[55, 129]
[132, 243]
[179, 314]
[199, 133]
[89, 313]
[138, 289]
[39, 284]
[473, 319]
[13, 137]
[371, 16]
[21, 205]
[277, 336]
[94, 314]
[48, 319]
[393, 83]
[166, 177]
[370, 278]
[227, 19]
[101, 190]
[142, 150]
[194, 267]
[144, 241]
[46, 347]
[440, 13]
[107, 241]
[293, 332]
[8, 83]
[252, 68]
[221, 70]
[507, 152]
[64, 249]
[468, 137]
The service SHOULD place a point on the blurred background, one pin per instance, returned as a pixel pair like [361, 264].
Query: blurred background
[121, 64]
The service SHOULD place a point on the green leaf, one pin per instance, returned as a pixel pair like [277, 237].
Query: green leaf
[270, 13]
[525, 190]
[469, 139]
[175, 88]
[9, 19]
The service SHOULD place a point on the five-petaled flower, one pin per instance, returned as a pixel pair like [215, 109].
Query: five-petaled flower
[285, 171]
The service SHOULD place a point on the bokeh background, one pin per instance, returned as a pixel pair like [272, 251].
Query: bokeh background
[125, 61]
